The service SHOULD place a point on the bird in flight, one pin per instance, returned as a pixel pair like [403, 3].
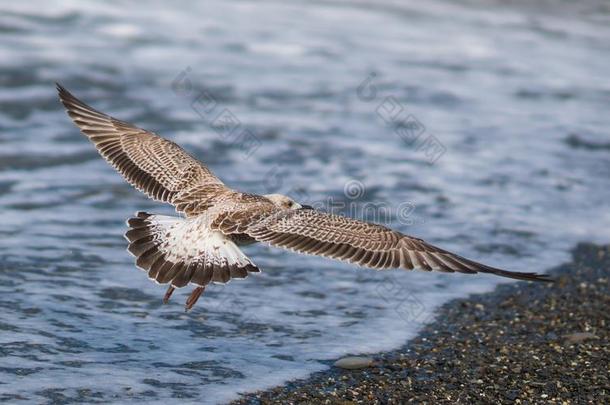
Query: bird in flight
[202, 246]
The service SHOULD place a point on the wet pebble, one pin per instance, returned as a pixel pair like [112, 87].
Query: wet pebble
[579, 337]
[354, 362]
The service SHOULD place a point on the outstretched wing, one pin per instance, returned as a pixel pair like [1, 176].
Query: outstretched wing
[369, 245]
[157, 167]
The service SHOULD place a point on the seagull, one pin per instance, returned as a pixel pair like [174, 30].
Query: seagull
[202, 245]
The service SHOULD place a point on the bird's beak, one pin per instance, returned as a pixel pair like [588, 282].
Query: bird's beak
[306, 207]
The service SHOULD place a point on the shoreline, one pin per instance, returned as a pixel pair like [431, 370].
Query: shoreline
[521, 343]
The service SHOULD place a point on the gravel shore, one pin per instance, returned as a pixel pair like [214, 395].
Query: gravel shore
[523, 343]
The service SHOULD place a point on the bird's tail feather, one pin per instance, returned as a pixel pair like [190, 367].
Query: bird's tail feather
[181, 251]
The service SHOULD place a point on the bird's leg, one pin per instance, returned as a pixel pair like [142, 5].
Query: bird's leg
[168, 294]
[192, 299]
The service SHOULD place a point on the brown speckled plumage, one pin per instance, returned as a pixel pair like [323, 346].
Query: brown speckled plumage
[172, 250]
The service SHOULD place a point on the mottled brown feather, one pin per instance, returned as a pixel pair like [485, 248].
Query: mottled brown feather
[154, 165]
[145, 243]
[369, 245]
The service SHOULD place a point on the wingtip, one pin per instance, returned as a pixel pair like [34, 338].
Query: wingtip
[529, 276]
[63, 93]
[544, 277]
[72, 103]
[60, 89]
[516, 275]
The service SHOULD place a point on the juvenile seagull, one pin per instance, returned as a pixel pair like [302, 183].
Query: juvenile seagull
[201, 247]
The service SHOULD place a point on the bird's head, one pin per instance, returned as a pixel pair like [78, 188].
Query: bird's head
[285, 202]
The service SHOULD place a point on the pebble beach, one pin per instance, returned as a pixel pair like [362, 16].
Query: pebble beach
[523, 343]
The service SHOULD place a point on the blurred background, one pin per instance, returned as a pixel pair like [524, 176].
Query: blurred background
[488, 120]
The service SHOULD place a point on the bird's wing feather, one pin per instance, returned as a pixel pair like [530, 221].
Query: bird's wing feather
[369, 245]
[159, 168]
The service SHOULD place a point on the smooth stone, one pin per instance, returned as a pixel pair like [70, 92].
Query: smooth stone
[354, 362]
[579, 337]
